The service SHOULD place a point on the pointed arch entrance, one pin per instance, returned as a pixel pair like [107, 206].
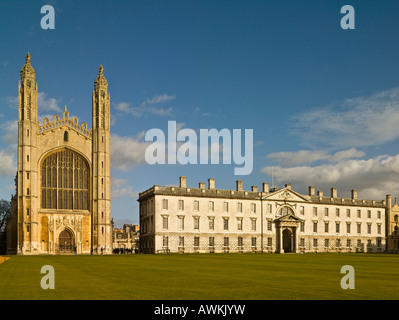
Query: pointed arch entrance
[66, 242]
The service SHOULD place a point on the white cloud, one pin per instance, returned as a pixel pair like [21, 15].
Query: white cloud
[46, 104]
[287, 159]
[8, 166]
[373, 177]
[147, 106]
[10, 135]
[127, 152]
[362, 121]
[120, 189]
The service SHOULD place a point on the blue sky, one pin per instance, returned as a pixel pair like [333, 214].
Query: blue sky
[323, 102]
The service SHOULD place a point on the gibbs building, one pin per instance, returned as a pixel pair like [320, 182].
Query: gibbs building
[62, 201]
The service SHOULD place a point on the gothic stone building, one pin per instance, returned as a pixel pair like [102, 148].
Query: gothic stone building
[184, 219]
[62, 200]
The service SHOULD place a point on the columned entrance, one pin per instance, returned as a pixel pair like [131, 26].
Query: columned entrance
[286, 235]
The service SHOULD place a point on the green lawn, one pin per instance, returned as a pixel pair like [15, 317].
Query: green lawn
[202, 277]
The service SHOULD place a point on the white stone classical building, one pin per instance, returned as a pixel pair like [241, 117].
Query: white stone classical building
[185, 219]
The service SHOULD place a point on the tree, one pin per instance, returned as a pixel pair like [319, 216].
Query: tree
[5, 213]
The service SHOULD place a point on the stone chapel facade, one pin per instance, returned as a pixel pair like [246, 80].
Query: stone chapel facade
[62, 203]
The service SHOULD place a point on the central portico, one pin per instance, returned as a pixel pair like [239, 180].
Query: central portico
[287, 235]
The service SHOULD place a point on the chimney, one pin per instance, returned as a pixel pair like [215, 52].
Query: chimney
[354, 194]
[182, 182]
[320, 193]
[311, 190]
[202, 185]
[239, 185]
[254, 188]
[265, 187]
[211, 183]
[288, 186]
[333, 192]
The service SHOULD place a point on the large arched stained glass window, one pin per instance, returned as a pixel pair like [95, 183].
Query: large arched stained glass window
[65, 181]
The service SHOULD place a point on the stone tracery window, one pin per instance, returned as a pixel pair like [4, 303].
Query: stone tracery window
[65, 181]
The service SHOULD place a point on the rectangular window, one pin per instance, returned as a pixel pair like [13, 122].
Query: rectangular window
[378, 214]
[165, 241]
[348, 243]
[253, 224]
[379, 228]
[239, 224]
[253, 207]
[27, 175]
[348, 227]
[337, 212]
[165, 222]
[270, 207]
[165, 204]
[302, 210]
[196, 223]
[302, 242]
[239, 207]
[225, 206]
[211, 241]
[337, 227]
[359, 228]
[196, 205]
[269, 242]
[326, 227]
[315, 243]
[253, 242]
[369, 228]
[211, 224]
[348, 213]
[181, 241]
[269, 224]
[315, 211]
[240, 242]
[359, 213]
[226, 241]
[314, 226]
[211, 206]
[369, 214]
[338, 243]
[326, 212]
[196, 241]
[326, 243]
[181, 205]
[181, 223]
[27, 212]
[359, 243]
[302, 226]
[226, 224]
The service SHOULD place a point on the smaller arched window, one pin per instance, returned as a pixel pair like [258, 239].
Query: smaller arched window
[66, 136]
[395, 218]
[286, 210]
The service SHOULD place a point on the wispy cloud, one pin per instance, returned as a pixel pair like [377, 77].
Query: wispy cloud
[120, 189]
[288, 159]
[147, 106]
[45, 104]
[127, 152]
[373, 177]
[363, 121]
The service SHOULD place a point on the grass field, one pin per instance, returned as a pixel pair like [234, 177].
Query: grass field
[201, 277]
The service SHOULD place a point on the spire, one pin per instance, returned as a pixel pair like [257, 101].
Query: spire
[100, 81]
[27, 70]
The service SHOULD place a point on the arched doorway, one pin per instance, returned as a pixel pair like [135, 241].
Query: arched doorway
[65, 241]
[287, 238]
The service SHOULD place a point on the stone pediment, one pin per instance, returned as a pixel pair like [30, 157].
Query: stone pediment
[286, 195]
[288, 218]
